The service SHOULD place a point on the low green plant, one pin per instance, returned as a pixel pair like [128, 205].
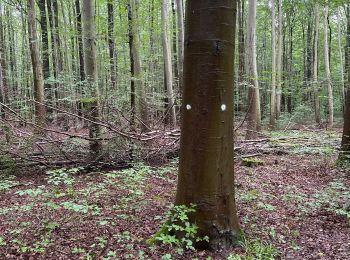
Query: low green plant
[62, 176]
[334, 198]
[252, 162]
[256, 250]
[7, 184]
[2, 241]
[178, 231]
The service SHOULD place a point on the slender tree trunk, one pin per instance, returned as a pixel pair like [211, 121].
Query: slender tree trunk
[279, 60]
[308, 65]
[137, 77]
[273, 69]
[45, 52]
[174, 40]
[254, 114]
[327, 69]
[52, 8]
[3, 80]
[111, 45]
[88, 14]
[132, 69]
[315, 67]
[241, 58]
[181, 40]
[37, 66]
[342, 88]
[167, 64]
[80, 41]
[206, 154]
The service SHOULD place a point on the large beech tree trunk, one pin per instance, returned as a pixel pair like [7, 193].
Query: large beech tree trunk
[206, 154]
[327, 69]
[254, 114]
[167, 64]
[37, 66]
[345, 145]
[315, 67]
[92, 104]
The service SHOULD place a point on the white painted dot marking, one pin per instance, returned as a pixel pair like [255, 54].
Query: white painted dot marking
[188, 107]
[223, 107]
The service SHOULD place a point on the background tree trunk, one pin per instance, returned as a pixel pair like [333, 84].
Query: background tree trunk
[80, 41]
[273, 69]
[3, 81]
[327, 69]
[92, 104]
[37, 66]
[279, 60]
[45, 53]
[181, 40]
[137, 77]
[111, 44]
[341, 65]
[167, 64]
[206, 154]
[254, 114]
[315, 67]
[241, 56]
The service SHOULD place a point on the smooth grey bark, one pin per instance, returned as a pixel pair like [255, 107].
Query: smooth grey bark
[341, 65]
[279, 60]
[327, 69]
[315, 66]
[254, 114]
[273, 68]
[181, 40]
[206, 153]
[167, 63]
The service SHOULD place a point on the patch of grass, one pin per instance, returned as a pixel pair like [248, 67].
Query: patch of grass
[256, 250]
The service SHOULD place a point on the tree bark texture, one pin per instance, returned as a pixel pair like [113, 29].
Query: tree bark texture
[167, 64]
[92, 104]
[254, 114]
[273, 68]
[315, 67]
[39, 96]
[327, 69]
[206, 154]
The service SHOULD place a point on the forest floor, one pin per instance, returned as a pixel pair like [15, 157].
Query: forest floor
[293, 206]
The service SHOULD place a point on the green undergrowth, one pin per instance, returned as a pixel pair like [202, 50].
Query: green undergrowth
[252, 162]
[255, 250]
[177, 230]
[323, 143]
[73, 195]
